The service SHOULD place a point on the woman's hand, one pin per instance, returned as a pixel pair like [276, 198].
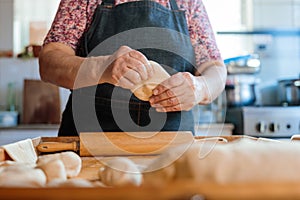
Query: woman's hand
[127, 67]
[181, 91]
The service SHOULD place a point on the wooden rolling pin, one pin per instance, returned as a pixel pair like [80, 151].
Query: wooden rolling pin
[120, 143]
[49, 147]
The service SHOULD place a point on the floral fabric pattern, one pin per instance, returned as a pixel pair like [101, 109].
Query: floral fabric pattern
[74, 17]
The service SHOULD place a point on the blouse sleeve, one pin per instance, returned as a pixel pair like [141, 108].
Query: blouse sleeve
[201, 33]
[70, 22]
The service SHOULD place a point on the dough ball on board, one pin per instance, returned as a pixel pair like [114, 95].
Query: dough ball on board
[71, 161]
[7, 163]
[240, 161]
[143, 91]
[120, 172]
[54, 170]
[22, 176]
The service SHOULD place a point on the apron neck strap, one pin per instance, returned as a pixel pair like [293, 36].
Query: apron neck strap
[108, 2]
[173, 3]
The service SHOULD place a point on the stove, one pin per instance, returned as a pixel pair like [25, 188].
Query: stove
[264, 121]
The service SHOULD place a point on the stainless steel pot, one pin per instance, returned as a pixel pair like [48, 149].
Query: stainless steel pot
[289, 92]
[248, 64]
[241, 94]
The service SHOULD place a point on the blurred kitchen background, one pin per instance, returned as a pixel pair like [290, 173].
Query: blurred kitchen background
[264, 31]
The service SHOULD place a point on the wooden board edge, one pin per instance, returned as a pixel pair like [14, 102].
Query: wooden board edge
[3, 155]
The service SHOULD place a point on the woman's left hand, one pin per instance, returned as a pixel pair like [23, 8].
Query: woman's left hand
[181, 91]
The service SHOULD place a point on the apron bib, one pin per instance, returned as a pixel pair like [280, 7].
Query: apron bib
[161, 34]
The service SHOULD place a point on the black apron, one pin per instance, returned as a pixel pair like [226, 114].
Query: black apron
[161, 34]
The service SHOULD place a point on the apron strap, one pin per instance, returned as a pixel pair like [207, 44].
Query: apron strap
[173, 3]
[108, 2]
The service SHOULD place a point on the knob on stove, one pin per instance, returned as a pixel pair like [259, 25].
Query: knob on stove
[261, 127]
[273, 127]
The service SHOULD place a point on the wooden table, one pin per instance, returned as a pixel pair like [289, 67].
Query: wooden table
[185, 189]
[176, 190]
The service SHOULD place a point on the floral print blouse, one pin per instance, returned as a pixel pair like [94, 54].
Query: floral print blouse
[74, 17]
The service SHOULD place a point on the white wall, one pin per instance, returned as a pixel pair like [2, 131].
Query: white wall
[26, 11]
[6, 25]
[16, 70]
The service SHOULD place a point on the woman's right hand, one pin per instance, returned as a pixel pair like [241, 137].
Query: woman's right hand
[127, 67]
[59, 65]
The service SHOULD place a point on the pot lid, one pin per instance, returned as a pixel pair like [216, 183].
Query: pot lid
[242, 79]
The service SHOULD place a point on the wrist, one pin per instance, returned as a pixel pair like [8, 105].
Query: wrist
[99, 69]
[202, 93]
[91, 72]
[211, 83]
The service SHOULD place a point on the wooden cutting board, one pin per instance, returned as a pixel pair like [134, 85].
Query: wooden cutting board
[41, 103]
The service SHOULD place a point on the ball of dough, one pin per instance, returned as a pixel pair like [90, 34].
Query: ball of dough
[120, 172]
[71, 161]
[239, 161]
[15, 163]
[54, 170]
[143, 91]
[22, 176]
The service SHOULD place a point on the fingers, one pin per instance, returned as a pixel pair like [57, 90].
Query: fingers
[130, 65]
[177, 99]
[121, 70]
[124, 82]
[175, 81]
[145, 67]
[175, 94]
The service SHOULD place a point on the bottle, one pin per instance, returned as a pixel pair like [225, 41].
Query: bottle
[11, 97]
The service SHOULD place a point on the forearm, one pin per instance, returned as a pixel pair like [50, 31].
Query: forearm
[59, 65]
[211, 81]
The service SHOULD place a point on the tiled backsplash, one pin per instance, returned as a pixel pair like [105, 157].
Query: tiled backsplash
[13, 70]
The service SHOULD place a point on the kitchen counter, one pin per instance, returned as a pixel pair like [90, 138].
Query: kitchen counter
[24, 131]
[214, 129]
[32, 127]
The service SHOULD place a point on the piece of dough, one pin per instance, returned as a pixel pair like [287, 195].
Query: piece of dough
[241, 161]
[8, 163]
[143, 91]
[54, 170]
[120, 172]
[22, 151]
[21, 176]
[71, 161]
